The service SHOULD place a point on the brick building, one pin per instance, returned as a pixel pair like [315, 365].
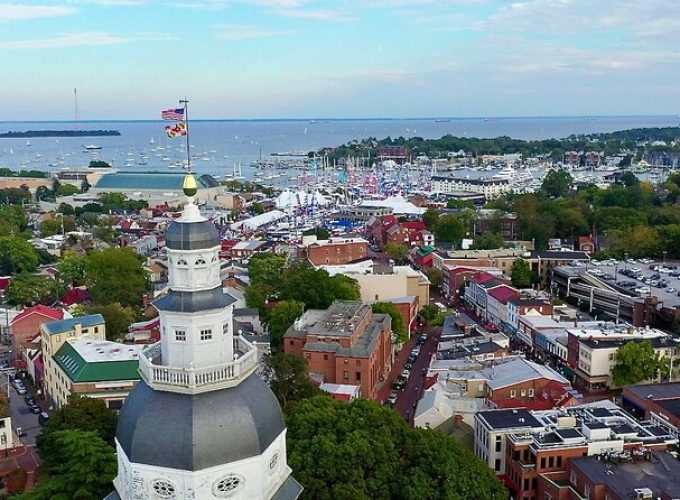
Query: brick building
[659, 403]
[26, 325]
[344, 344]
[526, 447]
[335, 251]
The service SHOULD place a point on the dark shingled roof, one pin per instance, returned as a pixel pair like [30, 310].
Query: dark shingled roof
[194, 301]
[191, 235]
[191, 433]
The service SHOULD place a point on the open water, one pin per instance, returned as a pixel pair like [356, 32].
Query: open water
[218, 145]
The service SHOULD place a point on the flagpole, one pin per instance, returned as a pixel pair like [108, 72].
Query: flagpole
[186, 121]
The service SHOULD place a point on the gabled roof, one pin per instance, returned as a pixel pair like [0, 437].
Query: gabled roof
[49, 312]
[483, 278]
[519, 370]
[67, 325]
[503, 293]
[413, 225]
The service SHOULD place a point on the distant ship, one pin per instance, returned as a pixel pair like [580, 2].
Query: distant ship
[442, 120]
[92, 147]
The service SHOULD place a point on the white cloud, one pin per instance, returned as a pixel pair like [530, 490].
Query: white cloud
[22, 12]
[82, 39]
[238, 32]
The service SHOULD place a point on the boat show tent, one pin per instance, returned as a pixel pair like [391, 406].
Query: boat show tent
[398, 204]
[258, 221]
[294, 199]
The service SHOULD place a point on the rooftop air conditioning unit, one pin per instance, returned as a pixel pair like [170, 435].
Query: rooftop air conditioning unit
[643, 494]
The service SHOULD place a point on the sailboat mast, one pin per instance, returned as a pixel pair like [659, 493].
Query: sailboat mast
[76, 108]
[186, 122]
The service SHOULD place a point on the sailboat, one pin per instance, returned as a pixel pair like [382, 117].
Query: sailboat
[28, 143]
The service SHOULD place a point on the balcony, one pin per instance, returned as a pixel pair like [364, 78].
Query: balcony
[197, 380]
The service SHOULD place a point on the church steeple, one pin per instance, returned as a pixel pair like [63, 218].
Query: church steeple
[200, 424]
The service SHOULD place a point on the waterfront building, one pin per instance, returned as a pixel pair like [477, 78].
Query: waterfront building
[490, 188]
[200, 424]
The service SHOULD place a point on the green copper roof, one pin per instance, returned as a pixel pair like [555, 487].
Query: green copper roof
[171, 181]
[68, 325]
[79, 370]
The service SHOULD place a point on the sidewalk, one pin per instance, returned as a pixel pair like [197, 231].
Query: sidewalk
[21, 457]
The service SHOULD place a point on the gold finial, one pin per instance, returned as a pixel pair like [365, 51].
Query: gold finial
[190, 186]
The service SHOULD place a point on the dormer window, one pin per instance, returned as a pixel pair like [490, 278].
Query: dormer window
[181, 262]
[200, 262]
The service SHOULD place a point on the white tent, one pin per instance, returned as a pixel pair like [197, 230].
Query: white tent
[398, 204]
[258, 221]
[295, 199]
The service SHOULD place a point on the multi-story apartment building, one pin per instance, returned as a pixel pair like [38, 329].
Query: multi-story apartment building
[344, 344]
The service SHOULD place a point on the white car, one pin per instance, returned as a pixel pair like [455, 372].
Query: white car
[405, 373]
[671, 290]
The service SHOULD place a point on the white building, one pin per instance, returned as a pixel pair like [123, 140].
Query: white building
[490, 188]
[200, 424]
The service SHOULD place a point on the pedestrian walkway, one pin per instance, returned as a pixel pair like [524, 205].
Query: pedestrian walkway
[21, 457]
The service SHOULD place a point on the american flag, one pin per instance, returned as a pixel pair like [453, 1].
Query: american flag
[173, 114]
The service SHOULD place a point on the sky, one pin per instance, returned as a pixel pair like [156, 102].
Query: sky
[339, 59]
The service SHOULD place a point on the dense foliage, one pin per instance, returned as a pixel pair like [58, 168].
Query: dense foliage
[637, 362]
[116, 275]
[289, 378]
[398, 326]
[363, 450]
[281, 318]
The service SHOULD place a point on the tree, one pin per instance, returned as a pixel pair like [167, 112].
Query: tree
[80, 413]
[66, 209]
[17, 256]
[117, 317]
[635, 362]
[364, 450]
[288, 377]
[431, 218]
[449, 229]
[429, 312]
[396, 251]
[54, 226]
[398, 327]
[43, 193]
[27, 289]
[521, 274]
[629, 179]
[557, 183]
[316, 288]
[321, 233]
[85, 469]
[257, 208]
[257, 295]
[85, 186]
[266, 268]
[72, 268]
[281, 318]
[116, 275]
[489, 241]
[67, 190]
[434, 275]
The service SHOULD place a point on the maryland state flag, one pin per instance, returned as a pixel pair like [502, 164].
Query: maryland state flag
[177, 130]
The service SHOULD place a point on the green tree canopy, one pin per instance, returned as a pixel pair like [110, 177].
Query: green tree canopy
[398, 252]
[288, 377]
[557, 183]
[71, 267]
[449, 229]
[316, 288]
[429, 312]
[364, 450]
[521, 274]
[398, 327]
[84, 470]
[116, 275]
[27, 289]
[281, 318]
[434, 275]
[17, 256]
[266, 268]
[488, 241]
[635, 362]
[257, 296]
[118, 318]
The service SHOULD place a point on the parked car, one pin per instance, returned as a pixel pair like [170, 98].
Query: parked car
[405, 373]
[43, 418]
[416, 351]
[21, 391]
[393, 398]
[35, 409]
[30, 400]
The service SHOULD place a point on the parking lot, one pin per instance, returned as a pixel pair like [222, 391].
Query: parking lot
[643, 277]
